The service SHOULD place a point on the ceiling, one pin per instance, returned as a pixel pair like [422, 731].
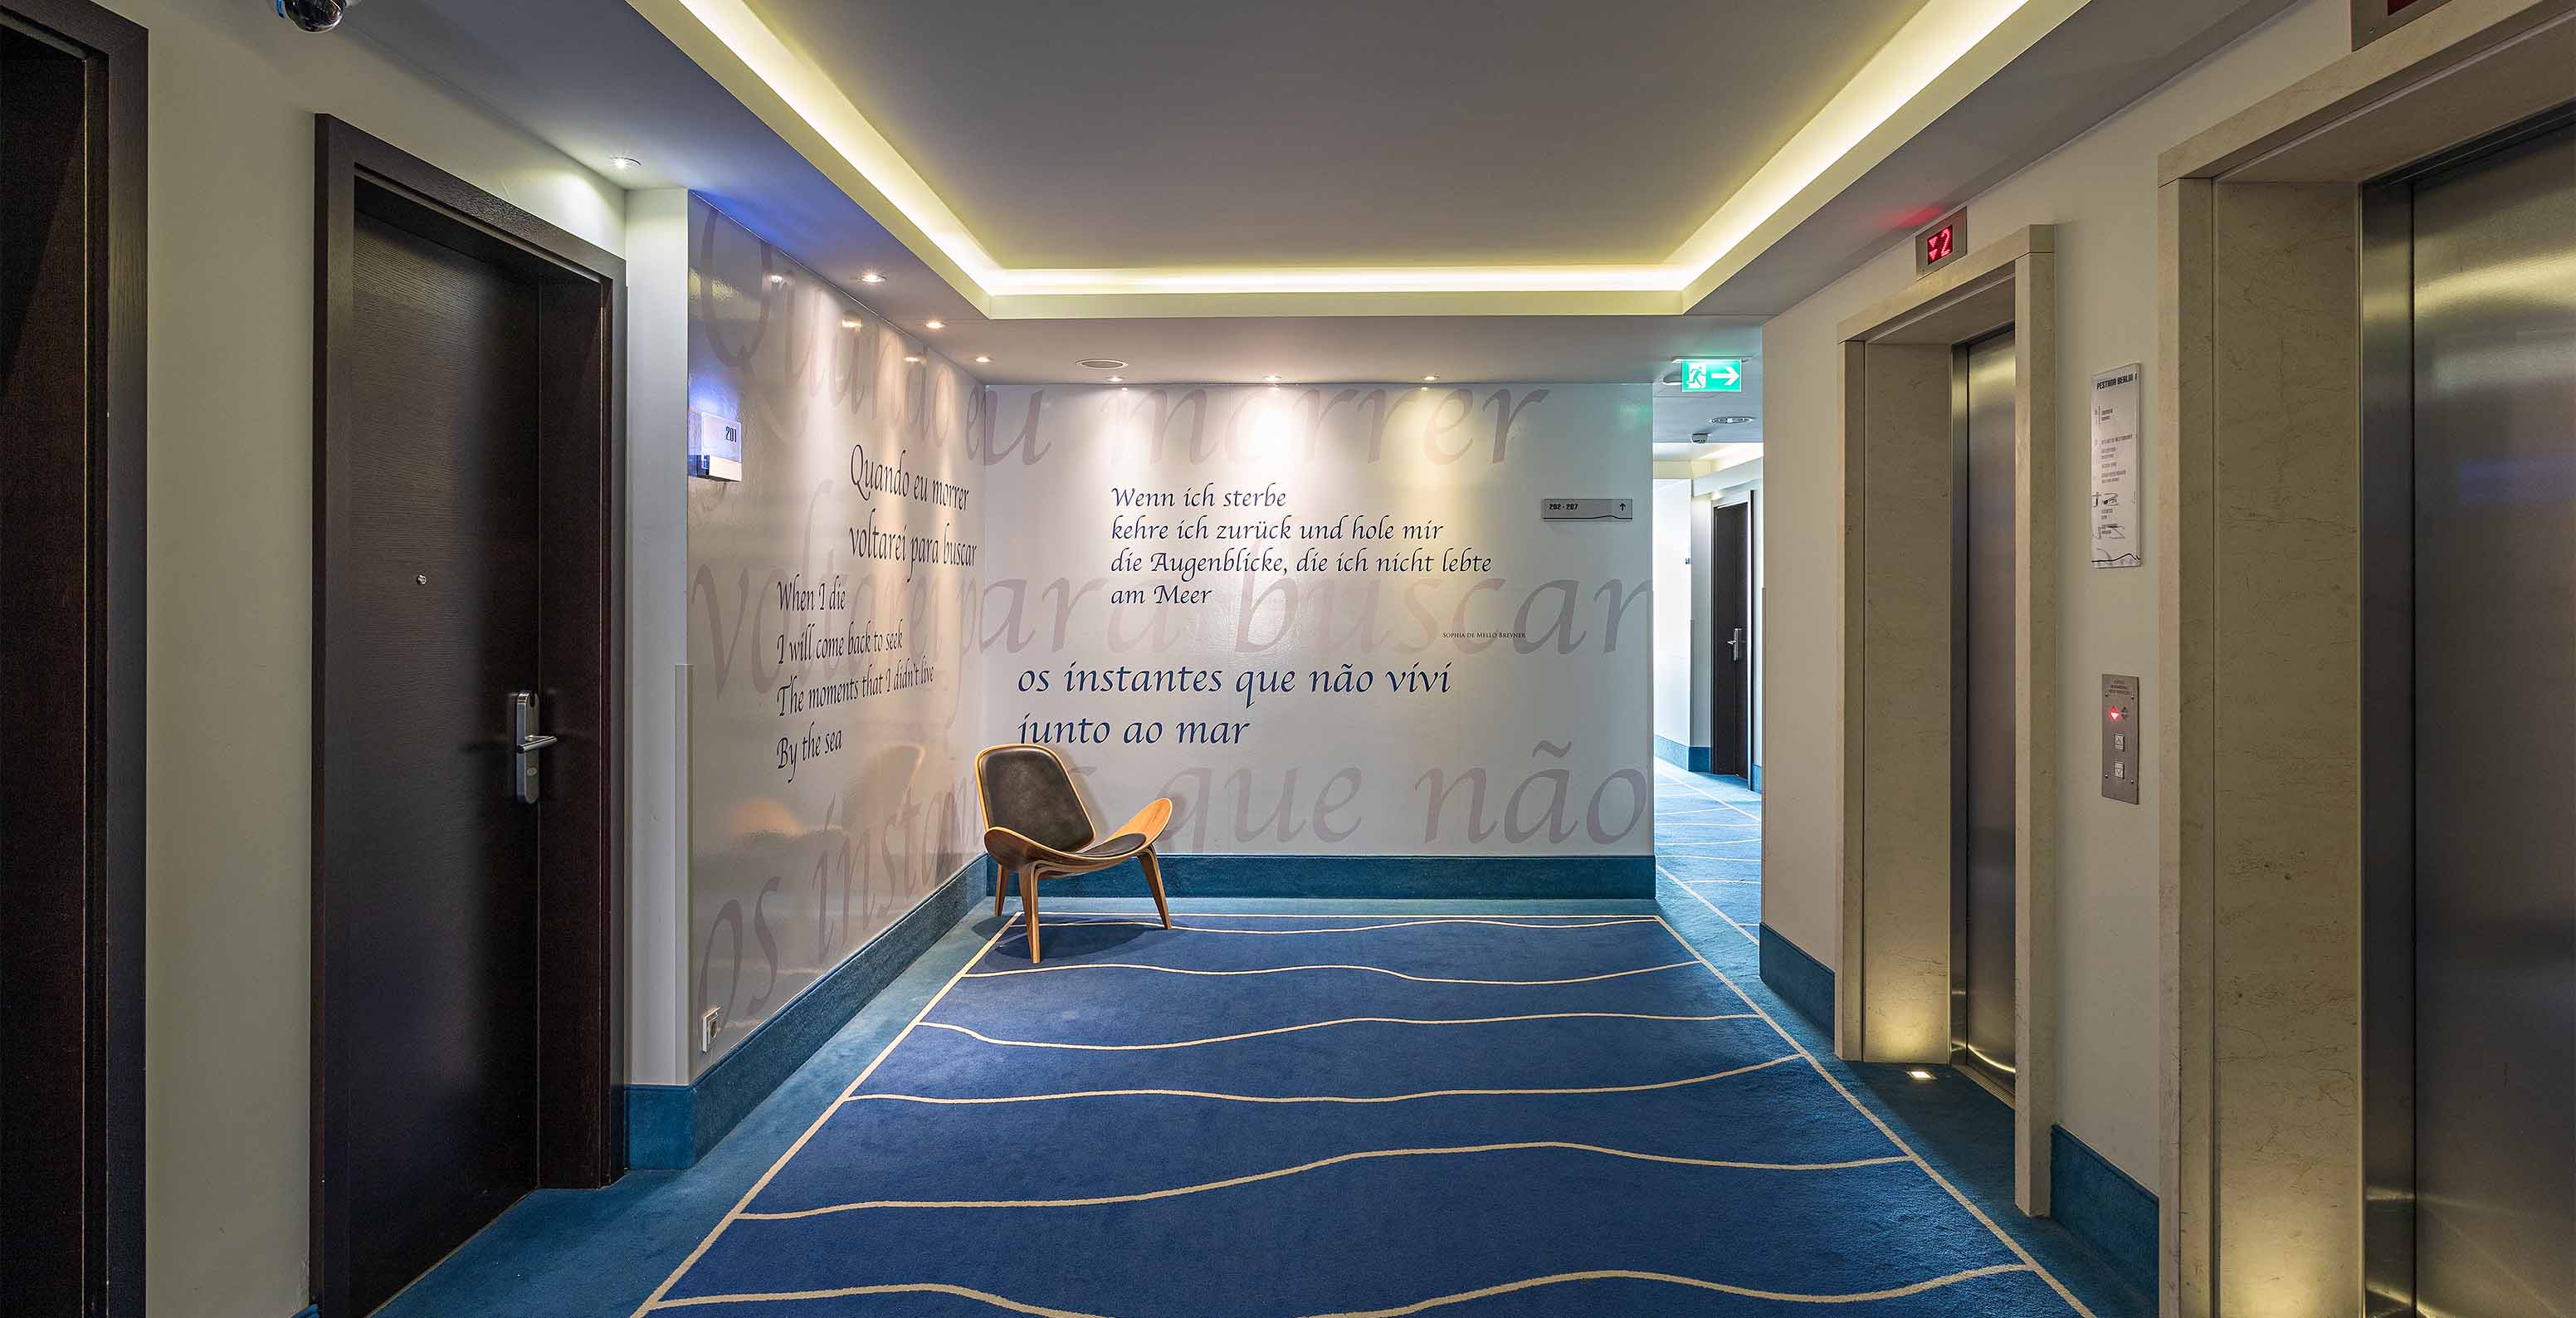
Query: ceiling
[1429, 131]
[1678, 415]
[1555, 349]
[1357, 133]
[1159, 122]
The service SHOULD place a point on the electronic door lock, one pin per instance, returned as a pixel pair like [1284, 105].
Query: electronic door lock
[525, 742]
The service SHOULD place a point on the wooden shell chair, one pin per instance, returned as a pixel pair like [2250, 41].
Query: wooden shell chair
[1036, 827]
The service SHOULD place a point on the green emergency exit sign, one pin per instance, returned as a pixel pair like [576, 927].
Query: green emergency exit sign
[1715, 375]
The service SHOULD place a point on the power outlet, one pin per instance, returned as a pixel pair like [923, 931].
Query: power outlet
[707, 1028]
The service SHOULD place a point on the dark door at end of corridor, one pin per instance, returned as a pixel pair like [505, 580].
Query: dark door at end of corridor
[1730, 688]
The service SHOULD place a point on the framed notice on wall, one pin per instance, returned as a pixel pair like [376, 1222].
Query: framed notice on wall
[2116, 534]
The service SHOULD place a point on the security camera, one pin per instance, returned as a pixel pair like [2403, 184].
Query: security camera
[313, 15]
[1699, 436]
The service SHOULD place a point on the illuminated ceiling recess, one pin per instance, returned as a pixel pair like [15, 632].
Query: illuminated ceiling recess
[1941, 54]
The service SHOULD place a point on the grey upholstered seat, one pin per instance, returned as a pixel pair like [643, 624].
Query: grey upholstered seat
[1027, 791]
[1125, 844]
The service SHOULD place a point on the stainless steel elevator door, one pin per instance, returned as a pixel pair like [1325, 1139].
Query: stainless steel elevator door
[1986, 722]
[2495, 735]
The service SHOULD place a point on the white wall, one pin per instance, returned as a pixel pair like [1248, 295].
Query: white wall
[835, 701]
[1674, 598]
[1483, 702]
[2100, 190]
[229, 582]
[659, 1030]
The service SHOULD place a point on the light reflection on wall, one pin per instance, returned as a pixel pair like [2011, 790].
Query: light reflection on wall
[835, 699]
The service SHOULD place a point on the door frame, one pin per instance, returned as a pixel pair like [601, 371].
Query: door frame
[582, 856]
[1743, 581]
[2265, 609]
[89, 1054]
[1892, 991]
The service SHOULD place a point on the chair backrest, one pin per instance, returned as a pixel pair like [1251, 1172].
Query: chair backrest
[1027, 791]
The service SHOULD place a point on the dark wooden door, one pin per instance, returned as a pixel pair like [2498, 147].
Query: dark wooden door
[468, 452]
[1730, 692]
[439, 916]
[71, 660]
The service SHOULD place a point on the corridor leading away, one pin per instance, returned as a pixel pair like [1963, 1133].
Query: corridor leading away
[1708, 841]
[1310, 1109]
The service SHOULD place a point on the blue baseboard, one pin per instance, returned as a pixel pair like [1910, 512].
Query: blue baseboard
[1420, 878]
[309, 1311]
[1694, 758]
[1801, 980]
[1755, 778]
[2104, 1206]
[672, 1126]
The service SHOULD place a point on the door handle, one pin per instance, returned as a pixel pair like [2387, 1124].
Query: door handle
[525, 742]
[1735, 646]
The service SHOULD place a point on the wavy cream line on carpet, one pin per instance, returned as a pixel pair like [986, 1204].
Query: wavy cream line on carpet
[1732, 922]
[1281, 970]
[1312, 1098]
[1320, 1163]
[982, 1037]
[1346, 929]
[2019, 1251]
[1399, 1311]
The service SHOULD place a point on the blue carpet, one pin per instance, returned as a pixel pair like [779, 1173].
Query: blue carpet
[1277, 1117]
[1320, 1230]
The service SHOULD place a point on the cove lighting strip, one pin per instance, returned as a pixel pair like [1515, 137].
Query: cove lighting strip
[1944, 49]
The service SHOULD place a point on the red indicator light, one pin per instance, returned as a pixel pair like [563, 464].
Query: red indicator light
[2115, 713]
[1937, 245]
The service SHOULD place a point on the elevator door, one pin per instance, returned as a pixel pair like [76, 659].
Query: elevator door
[1985, 902]
[2495, 734]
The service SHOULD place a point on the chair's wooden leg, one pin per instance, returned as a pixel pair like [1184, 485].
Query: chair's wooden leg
[1002, 879]
[1154, 880]
[1029, 907]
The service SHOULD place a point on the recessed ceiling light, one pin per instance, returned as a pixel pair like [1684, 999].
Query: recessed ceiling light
[850, 323]
[1429, 378]
[982, 359]
[914, 358]
[1102, 363]
[1732, 420]
[778, 279]
[1270, 379]
[624, 163]
[871, 277]
[934, 324]
[1117, 379]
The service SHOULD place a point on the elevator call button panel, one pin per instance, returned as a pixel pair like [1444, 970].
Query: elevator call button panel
[2120, 737]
